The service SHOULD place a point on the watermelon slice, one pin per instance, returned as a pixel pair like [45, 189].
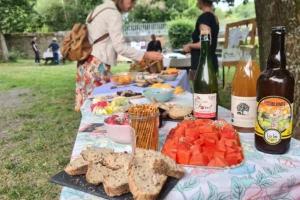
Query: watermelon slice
[200, 160]
[183, 156]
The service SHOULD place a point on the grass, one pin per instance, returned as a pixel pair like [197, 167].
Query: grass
[42, 143]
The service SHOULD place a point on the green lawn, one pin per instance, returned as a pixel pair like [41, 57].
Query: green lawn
[38, 134]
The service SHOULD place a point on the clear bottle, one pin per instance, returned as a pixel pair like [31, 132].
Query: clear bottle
[243, 93]
[275, 97]
[205, 82]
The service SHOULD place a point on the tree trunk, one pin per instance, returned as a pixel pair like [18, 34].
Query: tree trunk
[286, 13]
[3, 48]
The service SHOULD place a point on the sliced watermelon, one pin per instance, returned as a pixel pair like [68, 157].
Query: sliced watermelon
[183, 156]
[198, 122]
[220, 162]
[199, 160]
[212, 163]
[192, 132]
[219, 154]
[172, 153]
[209, 142]
[180, 132]
[220, 146]
[196, 149]
[205, 129]
[199, 141]
[228, 134]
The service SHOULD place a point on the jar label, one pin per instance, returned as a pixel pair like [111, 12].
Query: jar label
[205, 105]
[274, 119]
[243, 110]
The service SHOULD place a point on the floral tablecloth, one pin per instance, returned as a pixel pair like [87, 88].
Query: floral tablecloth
[261, 177]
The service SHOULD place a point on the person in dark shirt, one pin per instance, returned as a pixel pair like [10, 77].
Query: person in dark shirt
[36, 51]
[55, 49]
[206, 19]
[154, 45]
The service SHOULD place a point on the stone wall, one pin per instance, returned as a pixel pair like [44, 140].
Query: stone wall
[21, 42]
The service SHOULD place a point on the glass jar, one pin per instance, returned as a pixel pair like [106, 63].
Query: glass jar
[146, 130]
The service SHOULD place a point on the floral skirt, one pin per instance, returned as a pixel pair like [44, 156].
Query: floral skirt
[86, 80]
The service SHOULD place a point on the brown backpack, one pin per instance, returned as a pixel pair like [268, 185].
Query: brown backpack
[76, 46]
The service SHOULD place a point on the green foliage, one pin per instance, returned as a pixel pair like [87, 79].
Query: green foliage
[192, 13]
[60, 17]
[16, 16]
[180, 32]
[146, 14]
[14, 56]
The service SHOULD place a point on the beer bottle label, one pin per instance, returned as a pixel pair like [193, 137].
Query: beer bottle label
[205, 105]
[243, 110]
[274, 119]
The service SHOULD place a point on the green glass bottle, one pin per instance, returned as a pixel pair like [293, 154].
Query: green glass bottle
[205, 82]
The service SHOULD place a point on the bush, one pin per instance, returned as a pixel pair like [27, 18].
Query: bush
[14, 56]
[180, 32]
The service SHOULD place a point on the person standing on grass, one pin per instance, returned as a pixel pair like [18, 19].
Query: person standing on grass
[107, 25]
[36, 51]
[154, 45]
[55, 49]
[206, 19]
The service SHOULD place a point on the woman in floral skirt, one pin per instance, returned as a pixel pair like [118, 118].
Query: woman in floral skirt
[108, 20]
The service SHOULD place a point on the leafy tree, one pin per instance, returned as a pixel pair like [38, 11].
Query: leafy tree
[16, 16]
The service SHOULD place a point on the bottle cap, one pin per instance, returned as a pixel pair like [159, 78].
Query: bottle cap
[278, 28]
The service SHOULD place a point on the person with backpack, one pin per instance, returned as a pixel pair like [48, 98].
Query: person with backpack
[105, 34]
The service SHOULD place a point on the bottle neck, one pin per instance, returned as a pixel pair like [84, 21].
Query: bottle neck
[277, 57]
[205, 46]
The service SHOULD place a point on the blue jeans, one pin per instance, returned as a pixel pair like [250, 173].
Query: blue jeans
[55, 56]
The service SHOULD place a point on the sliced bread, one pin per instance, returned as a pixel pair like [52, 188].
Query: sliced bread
[95, 154]
[96, 173]
[118, 160]
[179, 112]
[160, 163]
[77, 167]
[144, 183]
[116, 182]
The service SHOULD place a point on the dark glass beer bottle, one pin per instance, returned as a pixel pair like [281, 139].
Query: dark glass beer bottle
[205, 82]
[275, 96]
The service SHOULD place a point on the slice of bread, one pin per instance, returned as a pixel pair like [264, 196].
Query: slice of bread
[118, 160]
[179, 112]
[95, 154]
[96, 173]
[144, 183]
[77, 167]
[160, 163]
[116, 182]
